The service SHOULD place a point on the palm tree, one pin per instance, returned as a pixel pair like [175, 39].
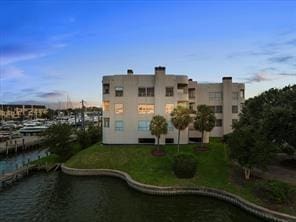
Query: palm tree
[204, 120]
[158, 126]
[180, 119]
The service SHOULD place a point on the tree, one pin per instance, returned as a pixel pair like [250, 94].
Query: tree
[180, 119]
[58, 139]
[250, 149]
[158, 126]
[204, 120]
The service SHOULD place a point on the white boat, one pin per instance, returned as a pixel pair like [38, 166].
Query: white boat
[33, 129]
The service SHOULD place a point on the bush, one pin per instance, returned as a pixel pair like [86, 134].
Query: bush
[184, 165]
[275, 191]
[83, 139]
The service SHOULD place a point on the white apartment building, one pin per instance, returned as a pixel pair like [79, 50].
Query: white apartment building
[130, 101]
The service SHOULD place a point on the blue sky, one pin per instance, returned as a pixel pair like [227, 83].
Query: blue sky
[51, 49]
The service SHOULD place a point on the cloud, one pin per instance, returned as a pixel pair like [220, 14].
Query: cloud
[291, 42]
[51, 95]
[287, 74]
[11, 72]
[281, 59]
[258, 77]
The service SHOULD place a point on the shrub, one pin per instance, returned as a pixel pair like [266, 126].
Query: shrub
[83, 139]
[184, 165]
[275, 191]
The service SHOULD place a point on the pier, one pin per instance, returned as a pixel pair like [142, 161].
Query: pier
[9, 178]
[20, 144]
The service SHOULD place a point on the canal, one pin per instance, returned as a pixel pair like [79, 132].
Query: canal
[59, 197]
[12, 161]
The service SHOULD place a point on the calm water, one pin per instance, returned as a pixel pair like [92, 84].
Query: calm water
[59, 197]
[8, 163]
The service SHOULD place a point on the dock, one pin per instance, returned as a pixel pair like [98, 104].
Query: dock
[9, 178]
[20, 144]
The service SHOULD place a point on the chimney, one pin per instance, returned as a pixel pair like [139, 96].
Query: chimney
[159, 70]
[130, 72]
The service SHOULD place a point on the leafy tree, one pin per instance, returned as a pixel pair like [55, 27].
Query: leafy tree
[180, 119]
[58, 139]
[158, 126]
[95, 133]
[273, 114]
[204, 120]
[250, 149]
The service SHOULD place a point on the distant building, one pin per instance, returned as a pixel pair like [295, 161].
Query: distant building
[130, 101]
[10, 112]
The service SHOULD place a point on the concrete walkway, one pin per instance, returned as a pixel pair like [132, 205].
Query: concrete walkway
[275, 172]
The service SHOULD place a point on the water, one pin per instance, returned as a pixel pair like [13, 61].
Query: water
[9, 163]
[59, 197]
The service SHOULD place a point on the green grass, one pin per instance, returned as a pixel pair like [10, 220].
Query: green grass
[212, 168]
[49, 160]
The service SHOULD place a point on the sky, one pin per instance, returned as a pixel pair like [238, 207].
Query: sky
[54, 50]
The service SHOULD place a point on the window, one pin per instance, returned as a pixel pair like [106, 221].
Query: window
[169, 91]
[150, 91]
[235, 95]
[182, 88]
[145, 109]
[234, 109]
[191, 93]
[119, 91]
[242, 93]
[146, 140]
[118, 108]
[107, 122]
[215, 96]
[143, 125]
[106, 88]
[212, 108]
[169, 108]
[219, 109]
[218, 122]
[106, 105]
[169, 140]
[141, 91]
[118, 125]
[170, 126]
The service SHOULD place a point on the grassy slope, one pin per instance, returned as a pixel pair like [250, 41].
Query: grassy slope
[212, 169]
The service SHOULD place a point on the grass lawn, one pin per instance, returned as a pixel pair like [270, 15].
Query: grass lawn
[213, 166]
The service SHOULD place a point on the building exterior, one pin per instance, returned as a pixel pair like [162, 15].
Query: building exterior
[130, 101]
[9, 112]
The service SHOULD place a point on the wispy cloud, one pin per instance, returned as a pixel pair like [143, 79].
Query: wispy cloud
[51, 95]
[282, 59]
[287, 74]
[258, 77]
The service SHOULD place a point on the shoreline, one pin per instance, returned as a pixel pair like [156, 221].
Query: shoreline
[204, 191]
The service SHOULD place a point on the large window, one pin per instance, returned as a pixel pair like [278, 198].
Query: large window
[118, 125]
[191, 93]
[118, 108]
[142, 91]
[169, 91]
[169, 108]
[143, 125]
[119, 91]
[107, 122]
[145, 109]
[216, 109]
[234, 109]
[150, 91]
[106, 105]
[218, 122]
[214, 96]
[106, 88]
